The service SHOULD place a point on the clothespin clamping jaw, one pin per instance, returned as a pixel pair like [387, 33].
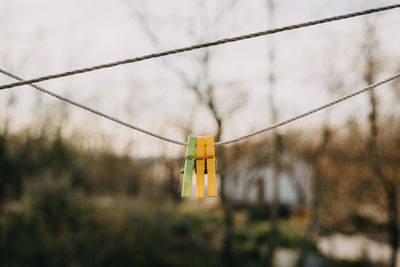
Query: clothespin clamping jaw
[200, 154]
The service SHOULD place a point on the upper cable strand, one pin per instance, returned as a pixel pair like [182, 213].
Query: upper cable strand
[131, 126]
[199, 46]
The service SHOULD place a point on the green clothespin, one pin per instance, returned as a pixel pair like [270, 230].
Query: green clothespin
[188, 167]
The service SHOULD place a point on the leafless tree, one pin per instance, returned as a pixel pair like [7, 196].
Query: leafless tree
[205, 91]
[374, 153]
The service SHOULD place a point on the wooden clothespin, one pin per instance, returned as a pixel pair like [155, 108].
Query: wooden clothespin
[188, 166]
[205, 163]
[200, 165]
[211, 168]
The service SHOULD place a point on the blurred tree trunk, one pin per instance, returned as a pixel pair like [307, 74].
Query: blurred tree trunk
[277, 144]
[313, 225]
[274, 215]
[227, 208]
[393, 223]
[375, 161]
[261, 190]
[226, 201]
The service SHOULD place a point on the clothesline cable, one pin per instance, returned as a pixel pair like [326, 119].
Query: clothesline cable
[305, 114]
[134, 127]
[92, 110]
[200, 46]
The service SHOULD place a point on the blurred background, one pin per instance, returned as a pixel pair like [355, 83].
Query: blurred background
[79, 190]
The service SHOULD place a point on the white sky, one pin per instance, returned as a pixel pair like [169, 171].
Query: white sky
[44, 37]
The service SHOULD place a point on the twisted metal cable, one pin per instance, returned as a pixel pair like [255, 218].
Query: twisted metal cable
[199, 46]
[309, 112]
[131, 126]
[126, 124]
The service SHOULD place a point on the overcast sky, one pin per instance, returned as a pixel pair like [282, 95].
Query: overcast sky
[44, 37]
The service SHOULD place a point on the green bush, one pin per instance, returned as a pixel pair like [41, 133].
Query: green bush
[61, 228]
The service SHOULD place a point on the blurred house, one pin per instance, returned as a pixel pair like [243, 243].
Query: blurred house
[254, 183]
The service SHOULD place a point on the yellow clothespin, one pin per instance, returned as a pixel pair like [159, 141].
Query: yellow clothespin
[205, 163]
[200, 165]
[211, 169]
